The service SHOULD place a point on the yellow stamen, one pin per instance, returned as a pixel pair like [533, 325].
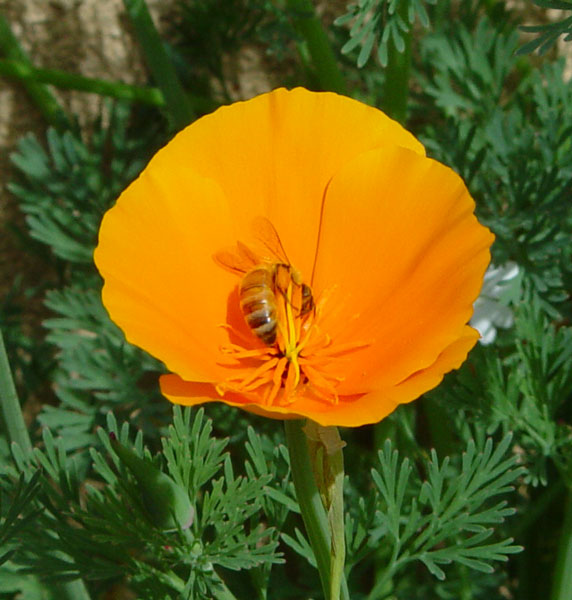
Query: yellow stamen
[276, 381]
[288, 394]
[322, 383]
[238, 352]
[291, 350]
[258, 377]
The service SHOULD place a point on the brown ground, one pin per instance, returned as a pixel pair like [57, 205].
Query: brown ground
[82, 36]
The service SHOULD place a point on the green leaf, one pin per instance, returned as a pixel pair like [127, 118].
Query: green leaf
[444, 519]
[375, 22]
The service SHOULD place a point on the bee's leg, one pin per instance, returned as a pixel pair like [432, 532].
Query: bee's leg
[307, 304]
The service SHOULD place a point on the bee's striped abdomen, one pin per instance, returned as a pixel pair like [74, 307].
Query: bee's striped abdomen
[258, 303]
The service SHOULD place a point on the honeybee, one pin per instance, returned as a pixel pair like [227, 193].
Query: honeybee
[263, 277]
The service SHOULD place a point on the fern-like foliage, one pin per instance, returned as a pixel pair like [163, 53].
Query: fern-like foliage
[548, 32]
[378, 23]
[64, 189]
[447, 518]
[29, 358]
[468, 70]
[107, 532]
[20, 512]
[512, 150]
[98, 370]
[525, 391]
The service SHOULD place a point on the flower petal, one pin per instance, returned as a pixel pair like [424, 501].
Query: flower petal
[191, 393]
[385, 234]
[273, 155]
[162, 286]
[406, 256]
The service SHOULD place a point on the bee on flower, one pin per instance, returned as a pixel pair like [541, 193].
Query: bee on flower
[296, 255]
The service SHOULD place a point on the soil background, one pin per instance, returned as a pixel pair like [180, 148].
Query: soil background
[89, 37]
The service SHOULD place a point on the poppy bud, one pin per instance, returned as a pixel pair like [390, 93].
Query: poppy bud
[167, 503]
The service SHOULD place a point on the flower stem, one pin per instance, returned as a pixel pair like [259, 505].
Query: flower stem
[310, 28]
[44, 100]
[336, 519]
[562, 587]
[325, 529]
[311, 507]
[396, 87]
[23, 71]
[178, 105]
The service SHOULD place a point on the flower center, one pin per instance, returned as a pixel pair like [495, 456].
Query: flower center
[298, 359]
[279, 309]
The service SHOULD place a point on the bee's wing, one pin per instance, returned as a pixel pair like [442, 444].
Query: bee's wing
[237, 260]
[266, 234]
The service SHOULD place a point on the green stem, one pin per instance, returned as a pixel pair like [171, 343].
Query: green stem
[25, 72]
[162, 69]
[312, 509]
[336, 518]
[396, 86]
[310, 28]
[562, 586]
[44, 100]
[11, 409]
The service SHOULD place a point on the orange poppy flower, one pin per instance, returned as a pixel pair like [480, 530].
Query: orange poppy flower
[363, 259]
